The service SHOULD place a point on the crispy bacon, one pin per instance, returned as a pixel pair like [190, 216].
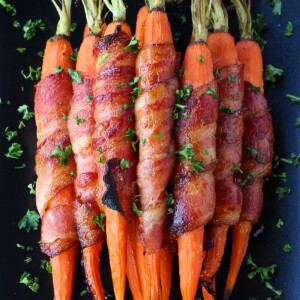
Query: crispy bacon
[52, 100]
[259, 135]
[153, 111]
[113, 116]
[230, 132]
[194, 193]
[85, 206]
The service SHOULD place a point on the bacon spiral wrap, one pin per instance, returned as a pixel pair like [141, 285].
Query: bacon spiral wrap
[259, 135]
[52, 98]
[194, 193]
[153, 112]
[114, 116]
[85, 206]
[229, 135]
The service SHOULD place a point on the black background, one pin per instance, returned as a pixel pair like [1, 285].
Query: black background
[281, 51]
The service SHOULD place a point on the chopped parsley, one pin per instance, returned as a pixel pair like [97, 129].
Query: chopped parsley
[249, 176]
[33, 74]
[10, 134]
[9, 7]
[143, 142]
[16, 23]
[181, 17]
[170, 201]
[279, 223]
[237, 169]
[89, 98]
[78, 121]
[276, 4]
[136, 91]
[265, 272]
[75, 75]
[126, 105]
[100, 221]
[272, 73]
[40, 54]
[176, 37]
[216, 73]
[134, 81]
[31, 27]
[31, 283]
[74, 55]
[121, 85]
[83, 292]
[73, 26]
[254, 153]
[65, 117]
[21, 125]
[133, 46]
[31, 187]
[289, 29]
[99, 149]
[287, 248]
[181, 95]
[256, 89]
[45, 264]
[28, 248]
[259, 27]
[23, 109]
[231, 78]
[63, 155]
[211, 91]
[180, 73]
[158, 135]
[72, 174]
[226, 110]
[28, 259]
[134, 143]
[124, 164]
[101, 159]
[29, 221]
[281, 191]
[293, 98]
[14, 151]
[21, 50]
[135, 208]
[200, 59]
[104, 57]
[58, 69]
[129, 134]
[187, 153]
[22, 166]
[278, 293]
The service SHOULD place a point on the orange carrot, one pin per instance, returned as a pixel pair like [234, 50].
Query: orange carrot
[57, 53]
[86, 62]
[198, 71]
[250, 55]
[140, 25]
[166, 259]
[240, 238]
[63, 273]
[190, 256]
[87, 30]
[91, 259]
[112, 27]
[132, 265]
[206, 294]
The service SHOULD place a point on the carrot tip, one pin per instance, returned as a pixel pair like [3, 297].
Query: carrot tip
[209, 286]
[227, 294]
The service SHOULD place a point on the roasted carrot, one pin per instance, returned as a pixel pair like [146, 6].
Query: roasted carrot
[132, 263]
[194, 208]
[156, 63]
[140, 25]
[113, 110]
[87, 30]
[258, 135]
[240, 238]
[55, 191]
[85, 208]
[206, 294]
[166, 259]
[230, 127]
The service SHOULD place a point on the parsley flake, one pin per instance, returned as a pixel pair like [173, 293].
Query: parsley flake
[29, 221]
[58, 69]
[100, 221]
[31, 283]
[78, 121]
[272, 73]
[124, 164]
[200, 59]
[287, 248]
[31, 27]
[75, 75]
[63, 155]
[289, 29]
[133, 46]
[129, 134]
[14, 151]
[104, 57]
[33, 74]
[45, 264]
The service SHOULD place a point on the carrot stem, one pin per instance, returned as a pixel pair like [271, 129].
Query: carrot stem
[64, 23]
[240, 238]
[118, 10]
[190, 255]
[93, 10]
[199, 9]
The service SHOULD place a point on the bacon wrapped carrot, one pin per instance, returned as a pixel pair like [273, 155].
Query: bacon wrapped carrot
[111, 141]
[81, 126]
[156, 63]
[193, 181]
[54, 159]
[257, 142]
[230, 77]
